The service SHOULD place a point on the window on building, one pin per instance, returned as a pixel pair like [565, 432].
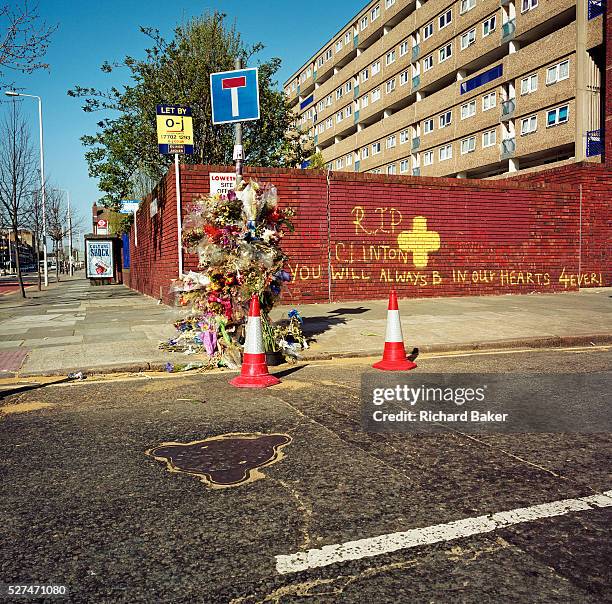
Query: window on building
[293, 85]
[558, 72]
[363, 23]
[328, 54]
[468, 110]
[404, 77]
[489, 101]
[468, 38]
[489, 138]
[375, 95]
[365, 153]
[403, 49]
[364, 101]
[529, 84]
[467, 5]
[404, 166]
[390, 85]
[339, 116]
[391, 169]
[339, 163]
[376, 148]
[339, 45]
[365, 74]
[446, 52]
[375, 67]
[348, 86]
[390, 57]
[428, 126]
[347, 38]
[404, 137]
[329, 122]
[528, 5]
[349, 159]
[428, 31]
[329, 100]
[427, 63]
[446, 152]
[446, 119]
[389, 3]
[468, 145]
[557, 116]
[529, 124]
[428, 158]
[339, 93]
[445, 19]
[309, 72]
[391, 141]
[375, 13]
[348, 111]
[320, 61]
[488, 27]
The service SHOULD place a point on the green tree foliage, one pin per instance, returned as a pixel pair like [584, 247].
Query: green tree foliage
[317, 162]
[177, 72]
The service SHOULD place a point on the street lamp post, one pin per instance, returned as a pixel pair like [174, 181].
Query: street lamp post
[42, 177]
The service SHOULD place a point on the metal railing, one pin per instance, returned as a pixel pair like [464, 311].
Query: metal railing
[508, 147]
[508, 29]
[594, 143]
[596, 8]
[508, 107]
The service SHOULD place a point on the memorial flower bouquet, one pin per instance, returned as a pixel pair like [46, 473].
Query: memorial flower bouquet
[237, 240]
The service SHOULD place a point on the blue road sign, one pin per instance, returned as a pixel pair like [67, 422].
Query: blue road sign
[234, 96]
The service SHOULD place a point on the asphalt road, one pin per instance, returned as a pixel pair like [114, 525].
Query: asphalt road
[83, 506]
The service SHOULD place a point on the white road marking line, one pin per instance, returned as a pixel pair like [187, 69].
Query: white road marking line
[391, 542]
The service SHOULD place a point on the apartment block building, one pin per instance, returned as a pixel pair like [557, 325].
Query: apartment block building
[465, 88]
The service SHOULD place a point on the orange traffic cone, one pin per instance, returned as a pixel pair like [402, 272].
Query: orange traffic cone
[394, 355]
[254, 372]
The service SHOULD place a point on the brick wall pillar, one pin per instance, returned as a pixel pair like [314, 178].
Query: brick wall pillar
[608, 89]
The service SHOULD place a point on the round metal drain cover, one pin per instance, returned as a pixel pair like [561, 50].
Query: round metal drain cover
[228, 460]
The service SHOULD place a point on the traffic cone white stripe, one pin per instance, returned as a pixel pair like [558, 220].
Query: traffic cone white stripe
[253, 343]
[394, 327]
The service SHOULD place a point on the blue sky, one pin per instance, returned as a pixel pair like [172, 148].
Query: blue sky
[91, 32]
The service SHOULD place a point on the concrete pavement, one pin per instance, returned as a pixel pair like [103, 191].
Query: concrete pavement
[74, 326]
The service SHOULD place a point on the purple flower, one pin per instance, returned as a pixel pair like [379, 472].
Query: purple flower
[209, 339]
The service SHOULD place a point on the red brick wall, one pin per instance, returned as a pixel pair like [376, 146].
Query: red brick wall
[503, 236]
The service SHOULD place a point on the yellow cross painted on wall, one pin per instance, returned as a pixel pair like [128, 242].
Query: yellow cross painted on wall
[419, 241]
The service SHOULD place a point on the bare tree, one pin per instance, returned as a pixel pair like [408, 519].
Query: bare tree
[24, 38]
[17, 175]
[33, 221]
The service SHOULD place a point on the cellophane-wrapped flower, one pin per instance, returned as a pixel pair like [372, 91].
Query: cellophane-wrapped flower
[237, 240]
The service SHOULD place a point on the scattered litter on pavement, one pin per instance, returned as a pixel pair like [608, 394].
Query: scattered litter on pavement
[170, 368]
[228, 460]
[77, 375]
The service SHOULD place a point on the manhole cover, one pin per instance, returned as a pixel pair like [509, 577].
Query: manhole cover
[223, 461]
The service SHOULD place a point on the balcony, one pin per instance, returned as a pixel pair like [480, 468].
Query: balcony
[596, 8]
[508, 29]
[416, 171]
[416, 142]
[594, 143]
[416, 82]
[356, 114]
[357, 164]
[508, 146]
[508, 108]
[416, 51]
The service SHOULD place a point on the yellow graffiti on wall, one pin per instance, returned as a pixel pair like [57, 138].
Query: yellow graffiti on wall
[419, 241]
